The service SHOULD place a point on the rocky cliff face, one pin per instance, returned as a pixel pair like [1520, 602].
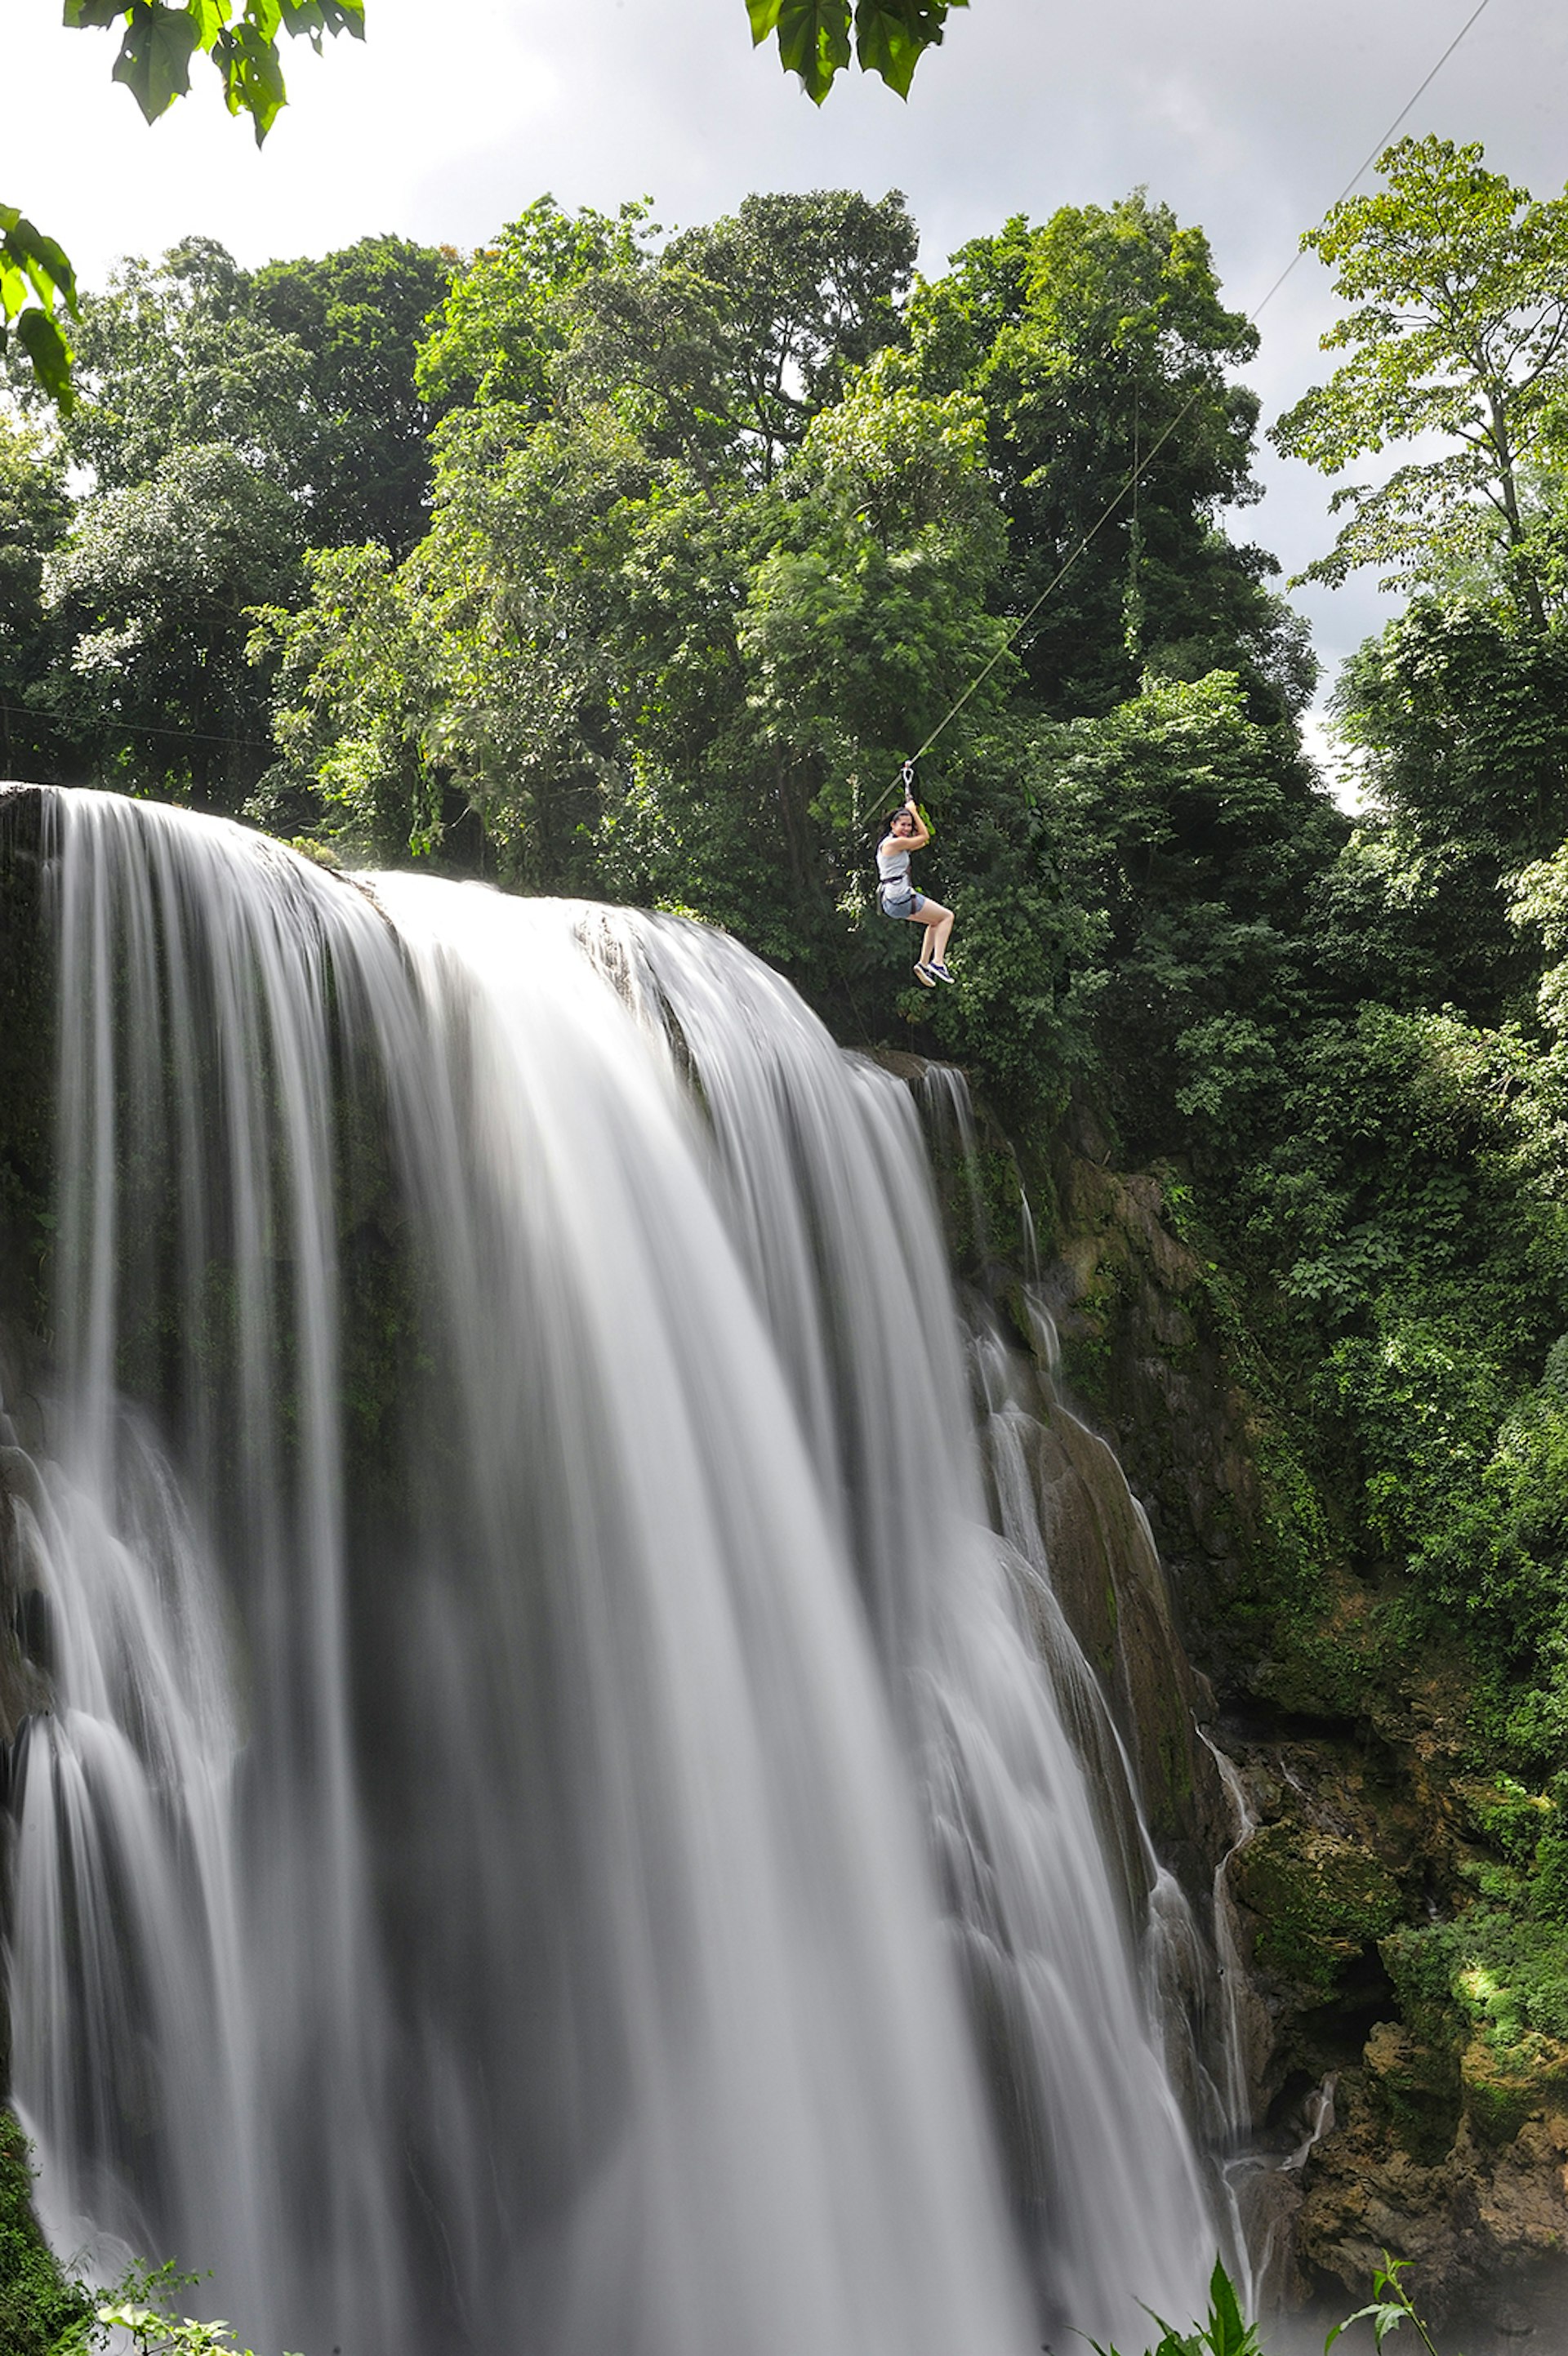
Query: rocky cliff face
[1435, 2116]
[27, 1065]
[26, 1058]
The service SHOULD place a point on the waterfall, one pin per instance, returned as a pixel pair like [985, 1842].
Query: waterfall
[556, 1831]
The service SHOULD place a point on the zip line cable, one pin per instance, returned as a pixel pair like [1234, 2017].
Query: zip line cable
[1141, 465]
[118, 727]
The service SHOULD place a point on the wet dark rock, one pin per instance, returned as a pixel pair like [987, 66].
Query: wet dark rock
[1445, 2146]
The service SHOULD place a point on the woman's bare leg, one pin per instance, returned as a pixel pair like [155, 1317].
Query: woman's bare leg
[938, 922]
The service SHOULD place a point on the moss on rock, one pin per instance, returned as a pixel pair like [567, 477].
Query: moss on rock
[1318, 1903]
[1416, 2089]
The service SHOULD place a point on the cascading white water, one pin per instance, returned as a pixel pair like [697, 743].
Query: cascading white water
[544, 1737]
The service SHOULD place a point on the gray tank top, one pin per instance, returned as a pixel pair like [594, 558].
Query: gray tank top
[893, 867]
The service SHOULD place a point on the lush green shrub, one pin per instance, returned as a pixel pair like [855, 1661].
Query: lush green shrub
[39, 2303]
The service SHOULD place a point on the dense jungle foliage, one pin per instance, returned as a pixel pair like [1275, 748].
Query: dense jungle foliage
[632, 564]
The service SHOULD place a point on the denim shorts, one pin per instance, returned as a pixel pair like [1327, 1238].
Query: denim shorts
[909, 905]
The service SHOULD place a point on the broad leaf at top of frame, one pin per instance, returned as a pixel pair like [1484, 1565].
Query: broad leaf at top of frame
[153, 63]
[315, 17]
[155, 56]
[240, 36]
[889, 37]
[252, 76]
[814, 42]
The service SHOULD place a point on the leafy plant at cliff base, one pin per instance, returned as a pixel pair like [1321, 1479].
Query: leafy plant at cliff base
[39, 2304]
[138, 2312]
[1225, 2331]
[150, 2331]
[1390, 2307]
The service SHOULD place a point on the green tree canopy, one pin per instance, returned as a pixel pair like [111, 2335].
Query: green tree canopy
[501, 325]
[1459, 282]
[802, 290]
[307, 368]
[1089, 337]
[362, 314]
[172, 353]
[1461, 718]
[34, 514]
[654, 663]
[150, 592]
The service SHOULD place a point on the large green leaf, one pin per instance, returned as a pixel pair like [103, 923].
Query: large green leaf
[314, 18]
[155, 56]
[46, 349]
[153, 63]
[892, 36]
[46, 265]
[252, 76]
[813, 41]
[240, 36]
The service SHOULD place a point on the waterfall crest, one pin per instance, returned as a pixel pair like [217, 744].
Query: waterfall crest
[554, 1832]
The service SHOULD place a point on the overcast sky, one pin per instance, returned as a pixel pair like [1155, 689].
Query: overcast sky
[1246, 115]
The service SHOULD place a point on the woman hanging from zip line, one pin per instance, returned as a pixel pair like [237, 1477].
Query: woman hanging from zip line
[897, 896]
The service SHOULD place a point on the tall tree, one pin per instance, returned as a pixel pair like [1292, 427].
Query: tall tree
[1459, 282]
[34, 514]
[307, 368]
[803, 289]
[150, 592]
[696, 565]
[502, 324]
[1461, 717]
[1100, 347]
[362, 315]
[172, 353]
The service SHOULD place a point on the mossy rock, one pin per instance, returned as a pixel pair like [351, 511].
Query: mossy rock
[1415, 2088]
[1319, 1903]
[1507, 2084]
